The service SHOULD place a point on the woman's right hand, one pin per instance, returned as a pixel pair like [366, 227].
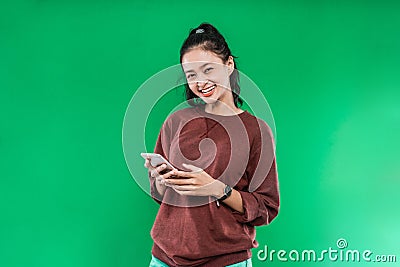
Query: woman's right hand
[155, 172]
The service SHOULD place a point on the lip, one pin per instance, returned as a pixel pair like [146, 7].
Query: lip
[207, 88]
[208, 91]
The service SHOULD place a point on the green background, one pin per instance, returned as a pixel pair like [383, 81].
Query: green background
[68, 69]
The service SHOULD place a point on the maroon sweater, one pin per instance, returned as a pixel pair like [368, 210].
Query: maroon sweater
[239, 151]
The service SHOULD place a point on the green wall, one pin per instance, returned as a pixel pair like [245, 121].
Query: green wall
[68, 69]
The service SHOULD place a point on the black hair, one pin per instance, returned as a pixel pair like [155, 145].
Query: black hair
[207, 37]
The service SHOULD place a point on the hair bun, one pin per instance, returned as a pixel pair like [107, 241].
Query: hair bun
[205, 28]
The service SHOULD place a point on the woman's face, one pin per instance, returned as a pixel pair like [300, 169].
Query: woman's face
[208, 76]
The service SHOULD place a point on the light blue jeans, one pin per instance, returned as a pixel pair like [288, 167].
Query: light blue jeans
[157, 263]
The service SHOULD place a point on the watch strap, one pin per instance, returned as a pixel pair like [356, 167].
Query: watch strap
[227, 193]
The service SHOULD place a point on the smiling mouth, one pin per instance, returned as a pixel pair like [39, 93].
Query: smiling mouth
[208, 91]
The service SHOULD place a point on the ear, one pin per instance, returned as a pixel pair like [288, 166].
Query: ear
[231, 64]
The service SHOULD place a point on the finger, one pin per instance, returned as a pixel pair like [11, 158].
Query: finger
[159, 178]
[192, 168]
[161, 168]
[172, 181]
[147, 164]
[174, 173]
[166, 184]
[168, 175]
[184, 192]
[183, 174]
[154, 173]
[185, 187]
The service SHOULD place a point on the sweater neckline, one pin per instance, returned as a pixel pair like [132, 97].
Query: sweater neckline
[201, 110]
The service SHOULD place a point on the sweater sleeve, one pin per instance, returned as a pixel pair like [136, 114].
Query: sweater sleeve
[162, 148]
[261, 199]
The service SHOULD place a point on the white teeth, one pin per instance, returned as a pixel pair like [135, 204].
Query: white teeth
[208, 90]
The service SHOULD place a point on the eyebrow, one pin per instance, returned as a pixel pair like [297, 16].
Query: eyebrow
[200, 67]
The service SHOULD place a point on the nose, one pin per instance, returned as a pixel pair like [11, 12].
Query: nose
[201, 84]
[201, 81]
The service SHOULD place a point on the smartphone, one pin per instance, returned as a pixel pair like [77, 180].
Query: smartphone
[157, 159]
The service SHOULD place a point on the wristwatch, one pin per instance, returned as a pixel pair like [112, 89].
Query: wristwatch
[227, 193]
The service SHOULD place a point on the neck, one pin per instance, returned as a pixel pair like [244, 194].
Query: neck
[222, 108]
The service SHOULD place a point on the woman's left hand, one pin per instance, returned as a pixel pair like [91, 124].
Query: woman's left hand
[194, 183]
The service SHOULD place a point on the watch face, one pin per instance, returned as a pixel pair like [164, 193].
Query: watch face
[228, 190]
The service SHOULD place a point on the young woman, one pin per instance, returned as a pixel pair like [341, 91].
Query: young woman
[225, 182]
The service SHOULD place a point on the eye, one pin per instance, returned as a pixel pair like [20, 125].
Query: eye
[207, 70]
[190, 76]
